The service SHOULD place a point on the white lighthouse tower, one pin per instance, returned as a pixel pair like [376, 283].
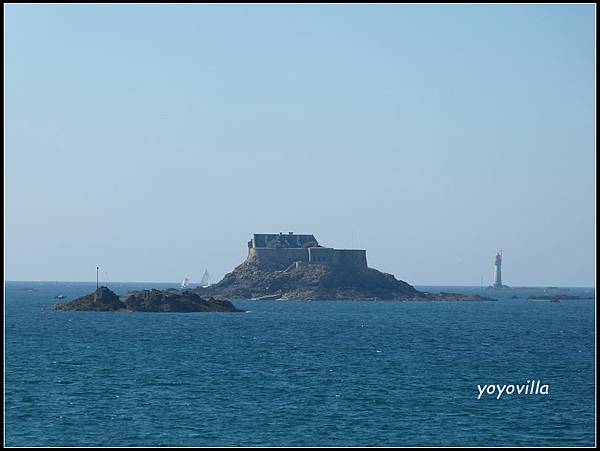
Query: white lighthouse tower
[498, 270]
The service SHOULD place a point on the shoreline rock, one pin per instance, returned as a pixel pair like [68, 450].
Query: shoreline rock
[101, 300]
[450, 297]
[257, 280]
[105, 300]
[184, 301]
[558, 297]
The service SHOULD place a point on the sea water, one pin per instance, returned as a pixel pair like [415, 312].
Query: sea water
[298, 373]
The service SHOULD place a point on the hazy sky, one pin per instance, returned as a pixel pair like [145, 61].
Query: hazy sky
[153, 141]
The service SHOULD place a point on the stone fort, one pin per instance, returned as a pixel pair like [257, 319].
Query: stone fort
[284, 249]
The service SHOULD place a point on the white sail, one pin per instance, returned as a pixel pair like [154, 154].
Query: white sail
[205, 282]
[185, 282]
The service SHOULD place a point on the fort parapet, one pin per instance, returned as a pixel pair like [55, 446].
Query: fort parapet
[282, 250]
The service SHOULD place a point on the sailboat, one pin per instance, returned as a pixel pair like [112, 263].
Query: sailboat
[205, 282]
[185, 282]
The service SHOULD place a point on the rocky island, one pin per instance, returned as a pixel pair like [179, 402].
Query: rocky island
[558, 297]
[296, 267]
[105, 300]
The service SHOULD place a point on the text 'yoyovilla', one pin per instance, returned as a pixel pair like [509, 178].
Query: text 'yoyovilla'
[497, 390]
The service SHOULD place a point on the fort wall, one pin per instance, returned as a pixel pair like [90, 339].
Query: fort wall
[284, 257]
[279, 257]
[346, 257]
[289, 239]
[297, 250]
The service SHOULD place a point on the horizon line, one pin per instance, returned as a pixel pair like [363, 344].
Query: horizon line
[413, 284]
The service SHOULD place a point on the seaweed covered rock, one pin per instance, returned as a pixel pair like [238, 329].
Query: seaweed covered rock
[175, 301]
[104, 300]
[101, 300]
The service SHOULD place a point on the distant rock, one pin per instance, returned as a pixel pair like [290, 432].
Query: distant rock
[104, 300]
[175, 301]
[559, 297]
[443, 296]
[101, 300]
[497, 288]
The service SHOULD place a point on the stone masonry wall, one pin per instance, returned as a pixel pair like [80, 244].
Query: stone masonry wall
[279, 257]
[347, 257]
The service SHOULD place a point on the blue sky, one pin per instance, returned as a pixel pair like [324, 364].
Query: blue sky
[155, 140]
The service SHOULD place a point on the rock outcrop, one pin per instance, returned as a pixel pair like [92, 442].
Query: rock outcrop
[445, 296]
[261, 280]
[101, 300]
[175, 301]
[559, 297]
[104, 300]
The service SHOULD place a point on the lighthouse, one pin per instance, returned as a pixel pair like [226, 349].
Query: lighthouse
[498, 270]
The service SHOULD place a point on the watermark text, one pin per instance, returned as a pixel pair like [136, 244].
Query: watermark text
[497, 390]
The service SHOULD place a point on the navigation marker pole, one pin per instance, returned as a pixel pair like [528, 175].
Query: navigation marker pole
[97, 269]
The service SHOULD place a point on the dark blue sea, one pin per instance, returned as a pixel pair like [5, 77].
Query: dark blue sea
[298, 373]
